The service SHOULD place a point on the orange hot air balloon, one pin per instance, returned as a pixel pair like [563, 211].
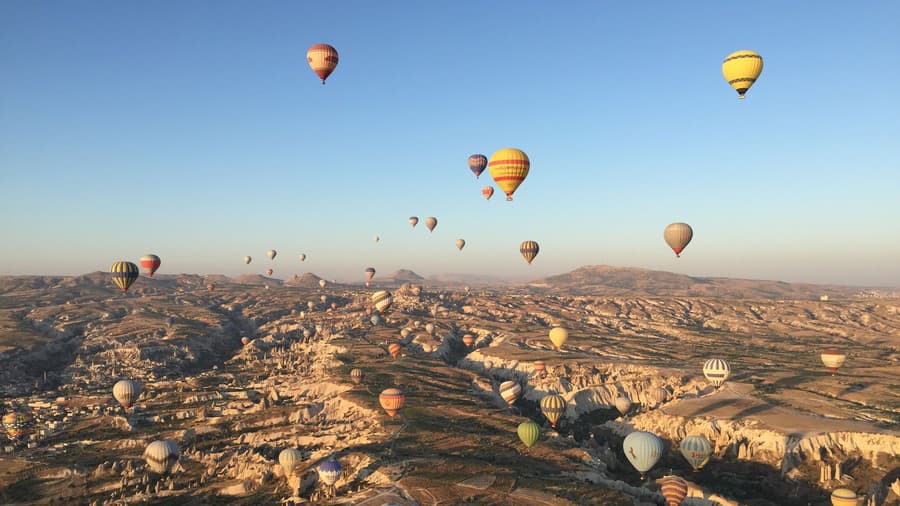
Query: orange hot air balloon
[509, 167]
[269, 272]
[392, 400]
[322, 59]
[394, 350]
[150, 263]
[210, 287]
[468, 340]
[487, 192]
[245, 341]
[540, 367]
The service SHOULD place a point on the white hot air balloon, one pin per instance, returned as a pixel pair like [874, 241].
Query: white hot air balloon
[642, 449]
[716, 371]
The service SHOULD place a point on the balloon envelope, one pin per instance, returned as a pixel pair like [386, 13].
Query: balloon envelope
[487, 192]
[431, 222]
[413, 220]
[392, 400]
[510, 391]
[126, 393]
[271, 254]
[247, 259]
[161, 455]
[289, 459]
[529, 433]
[716, 371]
[553, 407]
[559, 336]
[741, 69]
[696, 450]
[642, 449]
[678, 236]
[329, 472]
[322, 59]
[674, 489]
[150, 263]
[460, 244]
[124, 274]
[509, 167]
[477, 164]
[529, 250]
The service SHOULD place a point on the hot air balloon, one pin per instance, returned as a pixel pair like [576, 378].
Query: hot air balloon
[553, 407]
[431, 222]
[245, 341]
[124, 274]
[322, 59]
[487, 192]
[307, 333]
[678, 236]
[375, 319]
[510, 391]
[322, 283]
[696, 450]
[370, 273]
[330, 472]
[674, 489]
[468, 340]
[382, 300]
[161, 456]
[509, 167]
[289, 459]
[741, 69]
[414, 220]
[429, 327]
[529, 250]
[17, 425]
[356, 375]
[833, 360]
[394, 349]
[211, 287]
[488, 365]
[529, 433]
[150, 263]
[623, 404]
[477, 164]
[271, 254]
[392, 400]
[269, 272]
[247, 259]
[716, 371]
[559, 336]
[460, 244]
[126, 392]
[302, 257]
[844, 497]
[659, 395]
[539, 367]
[377, 238]
[642, 449]
[310, 305]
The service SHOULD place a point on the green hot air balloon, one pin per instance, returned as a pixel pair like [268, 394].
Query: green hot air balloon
[529, 433]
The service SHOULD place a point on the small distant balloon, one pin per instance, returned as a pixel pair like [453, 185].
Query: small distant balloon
[431, 222]
[529, 433]
[460, 244]
[302, 257]
[642, 449]
[529, 250]
[392, 400]
[330, 472]
[553, 407]
[124, 274]
[678, 236]
[510, 391]
[271, 254]
[394, 349]
[559, 336]
[322, 59]
[414, 220]
[477, 164]
[161, 456]
[269, 272]
[487, 192]
[509, 167]
[741, 69]
[674, 489]
[150, 263]
[247, 259]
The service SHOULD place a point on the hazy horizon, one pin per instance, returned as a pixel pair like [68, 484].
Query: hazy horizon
[197, 132]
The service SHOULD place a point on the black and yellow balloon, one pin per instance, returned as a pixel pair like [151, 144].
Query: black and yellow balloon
[124, 274]
[741, 69]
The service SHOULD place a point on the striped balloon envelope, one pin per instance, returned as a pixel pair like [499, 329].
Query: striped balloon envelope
[539, 367]
[844, 497]
[322, 59]
[124, 274]
[529, 433]
[477, 164]
[382, 300]
[674, 489]
[529, 250]
[509, 167]
[356, 375]
[330, 472]
[659, 395]
[289, 459]
[833, 359]
[696, 450]
[150, 263]
[741, 69]
[126, 393]
[716, 371]
[487, 192]
[392, 400]
[17, 425]
[553, 407]
[510, 391]
[678, 236]
[394, 349]
[642, 449]
[161, 455]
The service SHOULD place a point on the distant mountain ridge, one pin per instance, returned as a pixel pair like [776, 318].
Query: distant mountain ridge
[628, 281]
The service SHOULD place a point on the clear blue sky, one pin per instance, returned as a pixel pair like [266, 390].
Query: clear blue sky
[196, 130]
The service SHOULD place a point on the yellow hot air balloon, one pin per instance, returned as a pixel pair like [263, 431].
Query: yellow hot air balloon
[322, 59]
[559, 336]
[509, 167]
[844, 497]
[553, 407]
[741, 69]
[529, 250]
[124, 274]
